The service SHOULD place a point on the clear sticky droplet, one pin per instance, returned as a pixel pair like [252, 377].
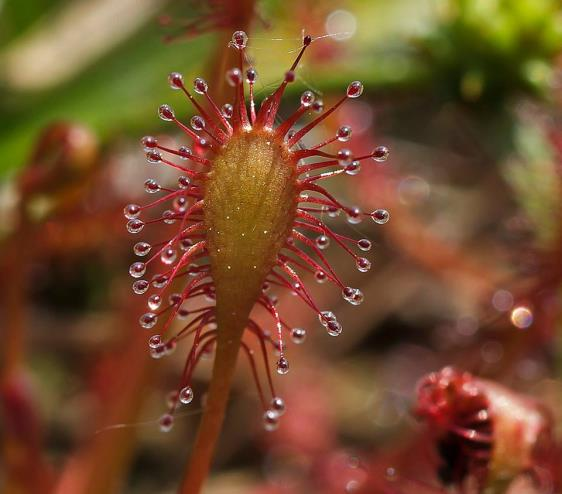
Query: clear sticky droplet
[227, 110]
[197, 123]
[298, 335]
[155, 341]
[282, 366]
[151, 186]
[239, 40]
[168, 256]
[380, 154]
[135, 226]
[354, 216]
[355, 89]
[364, 244]
[166, 113]
[153, 156]
[131, 211]
[186, 395]
[278, 405]
[363, 264]
[154, 302]
[334, 328]
[175, 79]
[345, 157]
[380, 216]
[270, 420]
[166, 422]
[344, 133]
[200, 85]
[307, 98]
[322, 242]
[141, 249]
[148, 320]
[140, 286]
[137, 269]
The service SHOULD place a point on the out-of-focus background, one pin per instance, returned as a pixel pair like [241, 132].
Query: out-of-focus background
[467, 272]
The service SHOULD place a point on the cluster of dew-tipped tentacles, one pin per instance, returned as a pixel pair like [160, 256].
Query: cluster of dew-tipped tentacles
[183, 255]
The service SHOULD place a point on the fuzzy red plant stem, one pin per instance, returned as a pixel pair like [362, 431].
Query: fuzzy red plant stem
[198, 466]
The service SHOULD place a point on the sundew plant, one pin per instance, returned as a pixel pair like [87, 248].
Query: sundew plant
[245, 216]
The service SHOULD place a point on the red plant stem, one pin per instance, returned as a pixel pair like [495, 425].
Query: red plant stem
[228, 345]
[25, 467]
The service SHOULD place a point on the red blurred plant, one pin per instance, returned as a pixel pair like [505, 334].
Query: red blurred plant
[485, 434]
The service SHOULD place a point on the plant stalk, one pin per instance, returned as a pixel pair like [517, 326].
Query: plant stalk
[199, 464]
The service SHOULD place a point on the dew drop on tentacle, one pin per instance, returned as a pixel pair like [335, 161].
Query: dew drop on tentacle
[185, 153]
[154, 302]
[169, 217]
[131, 211]
[318, 106]
[282, 366]
[355, 89]
[166, 422]
[135, 226]
[141, 249]
[151, 186]
[325, 316]
[186, 395]
[364, 244]
[200, 85]
[334, 328]
[270, 420]
[175, 79]
[159, 280]
[166, 113]
[298, 335]
[140, 287]
[307, 99]
[322, 242]
[353, 295]
[149, 142]
[175, 299]
[180, 204]
[137, 269]
[227, 110]
[154, 341]
[239, 40]
[251, 75]
[345, 157]
[277, 405]
[197, 123]
[380, 216]
[320, 276]
[153, 156]
[168, 256]
[348, 293]
[344, 133]
[380, 154]
[184, 182]
[333, 211]
[363, 264]
[148, 320]
[233, 77]
[354, 216]
[354, 168]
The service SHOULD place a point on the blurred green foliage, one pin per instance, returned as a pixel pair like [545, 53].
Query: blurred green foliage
[485, 50]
